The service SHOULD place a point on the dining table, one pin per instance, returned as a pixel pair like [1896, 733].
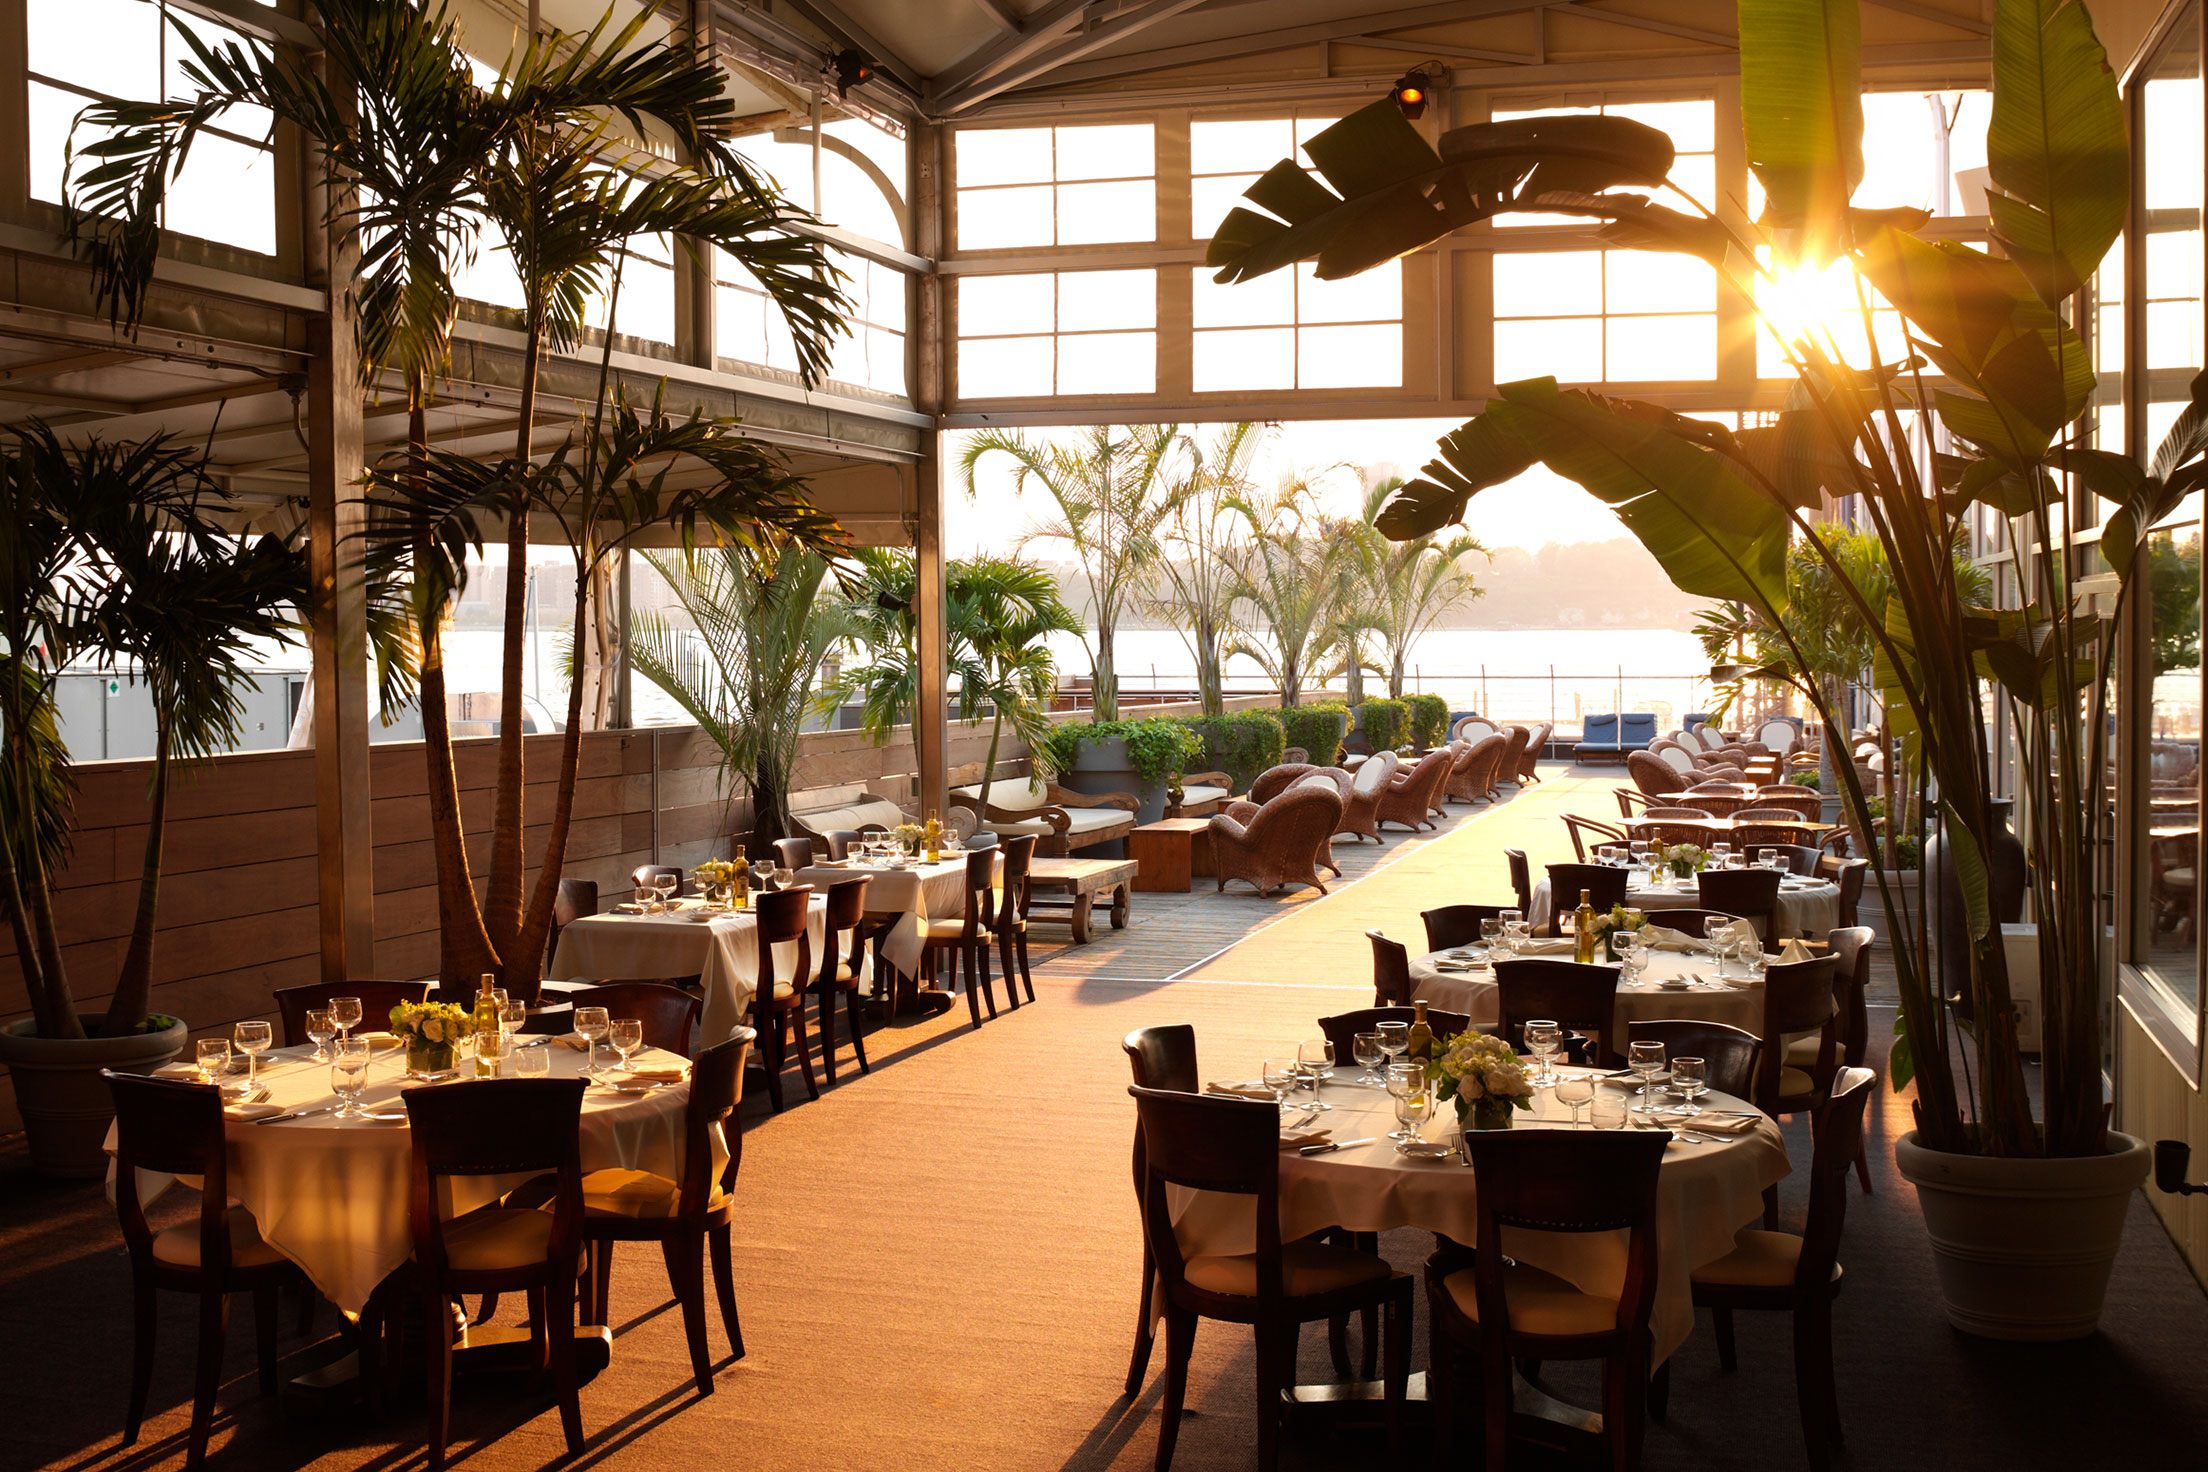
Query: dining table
[1807, 907]
[905, 892]
[1676, 984]
[330, 1192]
[687, 938]
[1705, 1193]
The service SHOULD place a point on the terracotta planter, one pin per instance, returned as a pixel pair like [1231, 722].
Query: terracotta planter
[2024, 1247]
[65, 1104]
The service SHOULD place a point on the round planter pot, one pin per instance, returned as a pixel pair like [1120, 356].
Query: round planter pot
[2024, 1247]
[65, 1104]
[1101, 767]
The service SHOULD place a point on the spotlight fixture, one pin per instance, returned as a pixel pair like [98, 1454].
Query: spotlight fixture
[852, 69]
[1410, 93]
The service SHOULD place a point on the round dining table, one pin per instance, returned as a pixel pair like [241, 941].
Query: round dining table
[719, 947]
[1705, 1194]
[1807, 907]
[331, 1192]
[1675, 984]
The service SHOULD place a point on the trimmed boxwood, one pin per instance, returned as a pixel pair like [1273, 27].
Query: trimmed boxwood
[1318, 729]
[1158, 749]
[1429, 719]
[1241, 743]
[1386, 724]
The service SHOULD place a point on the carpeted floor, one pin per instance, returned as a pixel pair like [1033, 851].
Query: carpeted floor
[937, 1270]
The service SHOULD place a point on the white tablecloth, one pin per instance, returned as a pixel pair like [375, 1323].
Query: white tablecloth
[331, 1194]
[1473, 992]
[915, 893]
[1809, 911]
[1704, 1196]
[721, 950]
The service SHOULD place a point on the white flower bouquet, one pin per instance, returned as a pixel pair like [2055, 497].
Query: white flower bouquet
[1483, 1077]
[432, 1031]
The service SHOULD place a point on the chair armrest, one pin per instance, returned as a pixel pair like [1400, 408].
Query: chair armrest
[1054, 816]
[1229, 824]
[1241, 810]
[1061, 797]
[1209, 779]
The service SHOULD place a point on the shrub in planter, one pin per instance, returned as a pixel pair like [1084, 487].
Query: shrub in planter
[1429, 719]
[1158, 749]
[1386, 723]
[1318, 729]
[1811, 780]
[1240, 743]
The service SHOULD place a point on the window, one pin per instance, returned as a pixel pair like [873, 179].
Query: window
[1692, 128]
[874, 354]
[1056, 186]
[646, 306]
[1290, 330]
[2171, 951]
[1226, 157]
[1070, 332]
[87, 51]
[2171, 143]
[1823, 306]
[1620, 316]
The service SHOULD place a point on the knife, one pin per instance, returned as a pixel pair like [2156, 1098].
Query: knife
[297, 1114]
[1324, 1146]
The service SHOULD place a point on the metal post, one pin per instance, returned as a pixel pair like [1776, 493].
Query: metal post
[931, 708]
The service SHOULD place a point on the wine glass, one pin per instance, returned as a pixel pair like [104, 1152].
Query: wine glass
[1632, 956]
[1721, 853]
[1754, 958]
[1714, 931]
[1542, 1037]
[1640, 853]
[1512, 919]
[213, 1057]
[1395, 1038]
[1491, 936]
[627, 1035]
[1646, 1060]
[1280, 1078]
[1313, 1059]
[1690, 1079]
[321, 1027]
[645, 895]
[345, 1012]
[512, 1016]
[1574, 1090]
[253, 1039]
[1406, 1081]
[590, 1026]
[1366, 1049]
[348, 1074]
[1517, 935]
[664, 885]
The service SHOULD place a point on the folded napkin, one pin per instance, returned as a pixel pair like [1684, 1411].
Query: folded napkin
[260, 1109]
[627, 907]
[661, 1073]
[1664, 938]
[829, 864]
[1796, 950]
[1241, 1090]
[177, 1070]
[1740, 931]
[579, 1044]
[1296, 1140]
[1708, 1123]
[1549, 945]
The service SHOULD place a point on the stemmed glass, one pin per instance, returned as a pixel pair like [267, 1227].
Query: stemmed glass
[1280, 1078]
[1491, 936]
[1639, 848]
[1646, 1060]
[321, 1027]
[1542, 1037]
[627, 1035]
[512, 1016]
[1407, 1082]
[1574, 1090]
[664, 885]
[1313, 1060]
[253, 1039]
[348, 1074]
[1517, 935]
[590, 1026]
[345, 1012]
[1713, 930]
[1754, 958]
[1690, 1079]
[1395, 1038]
[1512, 920]
[1632, 956]
[1365, 1047]
[1721, 854]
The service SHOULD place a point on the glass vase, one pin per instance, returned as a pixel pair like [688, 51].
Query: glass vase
[425, 1058]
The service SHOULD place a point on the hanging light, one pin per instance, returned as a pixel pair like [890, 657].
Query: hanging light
[852, 69]
[1409, 94]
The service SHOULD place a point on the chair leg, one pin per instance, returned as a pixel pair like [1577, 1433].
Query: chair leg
[304, 1321]
[143, 1322]
[1441, 1390]
[973, 993]
[685, 1256]
[804, 1049]
[1398, 1318]
[724, 1287]
[265, 1303]
[1625, 1408]
[824, 1009]
[858, 1034]
[1368, 1326]
[1495, 1405]
[1771, 1208]
[1275, 1351]
[598, 1307]
[214, 1322]
[1659, 1393]
[1337, 1344]
[1145, 1326]
[559, 1321]
[1814, 1385]
[978, 957]
[770, 1054]
[437, 1346]
[1721, 1320]
[1180, 1340]
[1027, 977]
[1862, 1169]
[1011, 972]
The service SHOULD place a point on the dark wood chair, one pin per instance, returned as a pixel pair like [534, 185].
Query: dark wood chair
[1341, 1029]
[176, 1128]
[1391, 971]
[793, 853]
[1798, 997]
[838, 841]
[1849, 874]
[498, 1127]
[1604, 884]
[1498, 1311]
[778, 1006]
[647, 872]
[1232, 1146]
[1782, 1273]
[1585, 831]
[1729, 1051]
[669, 1014]
[1456, 925]
[1521, 878]
[1010, 924]
[840, 970]
[574, 899]
[966, 940]
[1160, 1058]
[377, 998]
[1850, 947]
[1802, 859]
[1581, 999]
[1752, 894]
[1689, 922]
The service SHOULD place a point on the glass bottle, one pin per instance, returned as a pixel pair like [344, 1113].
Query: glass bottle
[740, 882]
[1421, 1046]
[1583, 929]
[484, 1022]
[932, 838]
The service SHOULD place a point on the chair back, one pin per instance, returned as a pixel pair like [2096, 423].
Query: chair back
[1631, 801]
[1012, 879]
[981, 883]
[1605, 887]
[1797, 998]
[1456, 925]
[175, 1128]
[1600, 1181]
[845, 910]
[1851, 946]
[793, 853]
[1341, 1029]
[1652, 774]
[1763, 810]
[1850, 876]
[669, 1014]
[1163, 1057]
[645, 873]
[1273, 781]
[1637, 727]
[1521, 878]
[781, 915]
[1806, 803]
[1691, 922]
[377, 998]
[496, 1127]
[1668, 831]
[574, 899]
[1756, 833]
[716, 1087]
[1581, 999]
[1752, 894]
[1209, 1143]
[1729, 1051]
[1599, 730]
[839, 840]
[1779, 735]
[1587, 830]
[1653, 810]
[1802, 860]
[1674, 756]
[961, 823]
[1836, 1141]
[1391, 971]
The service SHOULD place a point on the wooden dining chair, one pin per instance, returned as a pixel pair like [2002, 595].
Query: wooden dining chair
[669, 1014]
[1521, 879]
[1162, 1057]
[1232, 1147]
[572, 901]
[1342, 1028]
[647, 872]
[841, 969]
[1010, 921]
[1798, 997]
[778, 1005]
[1802, 859]
[839, 841]
[1581, 999]
[1604, 884]
[377, 998]
[1850, 947]
[176, 1128]
[1730, 1052]
[498, 1127]
[1849, 875]
[1495, 1311]
[966, 940]
[1456, 925]
[1391, 971]
[1584, 831]
[1779, 1272]
[793, 853]
[1752, 894]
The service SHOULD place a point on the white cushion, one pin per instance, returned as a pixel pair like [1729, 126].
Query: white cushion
[1677, 759]
[1374, 774]
[1196, 794]
[851, 816]
[1711, 741]
[1778, 735]
[1320, 780]
[1088, 820]
[1019, 795]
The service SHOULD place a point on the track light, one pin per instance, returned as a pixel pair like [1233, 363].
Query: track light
[1410, 93]
[852, 69]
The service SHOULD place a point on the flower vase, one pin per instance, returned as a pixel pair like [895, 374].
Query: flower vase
[425, 1058]
[1483, 1114]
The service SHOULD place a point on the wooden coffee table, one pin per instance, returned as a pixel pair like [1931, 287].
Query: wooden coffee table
[1069, 887]
[1169, 853]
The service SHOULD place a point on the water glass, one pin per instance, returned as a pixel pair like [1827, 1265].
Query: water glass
[1512, 920]
[253, 1039]
[1491, 935]
[1713, 930]
[1721, 852]
[1365, 1047]
[1542, 1038]
[511, 1017]
[1647, 1060]
[532, 1062]
[1632, 955]
[1314, 1060]
[1574, 1090]
[1752, 958]
[348, 1074]
[1279, 1077]
[1607, 1111]
[345, 1012]
[1517, 935]
[1640, 853]
[1690, 1079]
[665, 885]
[590, 1026]
[321, 1027]
[213, 1057]
[492, 1048]
[1395, 1038]
[1412, 1109]
[627, 1036]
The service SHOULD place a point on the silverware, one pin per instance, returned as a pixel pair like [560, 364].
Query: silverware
[1324, 1146]
[297, 1114]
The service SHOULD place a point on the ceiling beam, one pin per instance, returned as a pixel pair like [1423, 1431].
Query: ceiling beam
[1970, 23]
[1587, 9]
[831, 18]
[1041, 29]
[261, 22]
[1127, 23]
[1001, 13]
[1429, 48]
[55, 367]
[220, 393]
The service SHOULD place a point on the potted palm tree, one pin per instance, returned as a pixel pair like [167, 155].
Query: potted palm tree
[2025, 1205]
[110, 555]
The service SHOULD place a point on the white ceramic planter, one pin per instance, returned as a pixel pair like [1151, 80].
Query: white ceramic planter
[65, 1104]
[2024, 1247]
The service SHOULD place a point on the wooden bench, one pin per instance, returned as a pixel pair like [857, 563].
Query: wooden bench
[1068, 888]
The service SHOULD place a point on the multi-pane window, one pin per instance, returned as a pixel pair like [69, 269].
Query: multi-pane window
[1692, 128]
[1226, 157]
[1290, 330]
[1824, 307]
[1590, 316]
[1056, 186]
[2172, 145]
[1057, 332]
[86, 51]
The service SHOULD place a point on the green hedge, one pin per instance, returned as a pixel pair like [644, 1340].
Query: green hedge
[1318, 729]
[1241, 744]
[1157, 748]
[1429, 719]
[1387, 724]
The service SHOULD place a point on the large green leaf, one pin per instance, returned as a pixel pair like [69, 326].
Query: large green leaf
[2055, 146]
[1801, 107]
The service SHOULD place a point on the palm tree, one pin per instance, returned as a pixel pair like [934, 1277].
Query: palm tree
[1407, 586]
[1111, 496]
[1200, 541]
[1294, 574]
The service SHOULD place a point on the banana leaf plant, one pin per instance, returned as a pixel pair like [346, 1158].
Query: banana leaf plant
[1992, 360]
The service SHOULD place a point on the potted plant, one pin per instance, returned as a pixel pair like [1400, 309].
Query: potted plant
[1145, 758]
[2025, 1208]
[110, 554]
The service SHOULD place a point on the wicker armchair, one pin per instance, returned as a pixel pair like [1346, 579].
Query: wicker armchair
[1303, 772]
[1514, 755]
[1273, 781]
[1720, 800]
[1530, 759]
[1411, 797]
[1275, 844]
[1806, 803]
[1473, 779]
[1653, 775]
[1361, 808]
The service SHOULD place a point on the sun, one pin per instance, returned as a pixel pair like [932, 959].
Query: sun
[1803, 304]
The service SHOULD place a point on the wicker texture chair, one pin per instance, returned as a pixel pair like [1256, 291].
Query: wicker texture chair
[1273, 781]
[1473, 779]
[1805, 803]
[1410, 799]
[1244, 809]
[1361, 805]
[1276, 844]
[1530, 759]
[1515, 739]
[1718, 799]
[1653, 775]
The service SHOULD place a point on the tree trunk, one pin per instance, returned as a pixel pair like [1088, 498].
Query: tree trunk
[1104, 683]
[524, 968]
[502, 902]
[1353, 672]
[1395, 673]
[51, 1005]
[989, 766]
[1210, 681]
[126, 1010]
